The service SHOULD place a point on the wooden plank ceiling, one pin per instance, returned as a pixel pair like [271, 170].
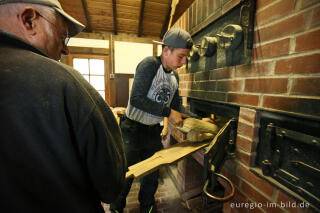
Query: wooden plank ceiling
[147, 18]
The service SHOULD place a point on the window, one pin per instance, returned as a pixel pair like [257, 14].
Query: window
[93, 71]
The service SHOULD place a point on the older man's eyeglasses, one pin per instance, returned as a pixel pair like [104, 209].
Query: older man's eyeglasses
[65, 38]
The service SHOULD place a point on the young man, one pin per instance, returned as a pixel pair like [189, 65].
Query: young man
[154, 96]
[61, 148]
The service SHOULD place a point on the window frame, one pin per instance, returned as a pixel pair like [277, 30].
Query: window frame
[106, 70]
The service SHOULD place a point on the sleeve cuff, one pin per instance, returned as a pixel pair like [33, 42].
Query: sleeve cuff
[166, 111]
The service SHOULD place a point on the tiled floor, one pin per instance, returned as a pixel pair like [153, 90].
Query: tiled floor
[167, 197]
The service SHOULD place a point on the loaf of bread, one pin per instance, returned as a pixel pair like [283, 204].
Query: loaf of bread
[198, 130]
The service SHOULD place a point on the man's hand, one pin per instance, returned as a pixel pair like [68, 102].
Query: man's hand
[164, 133]
[175, 117]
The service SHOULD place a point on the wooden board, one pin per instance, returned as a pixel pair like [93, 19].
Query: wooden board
[163, 157]
[172, 154]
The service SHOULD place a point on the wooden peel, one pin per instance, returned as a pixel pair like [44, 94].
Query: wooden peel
[163, 157]
[176, 151]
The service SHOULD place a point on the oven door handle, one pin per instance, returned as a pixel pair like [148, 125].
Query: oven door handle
[306, 168]
[222, 199]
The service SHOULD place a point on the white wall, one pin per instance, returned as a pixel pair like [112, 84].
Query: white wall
[159, 50]
[84, 42]
[127, 55]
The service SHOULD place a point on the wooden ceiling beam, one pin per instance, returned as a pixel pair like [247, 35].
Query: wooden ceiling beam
[138, 17]
[141, 17]
[114, 9]
[85, 9]
[166, 21]
[180, 9]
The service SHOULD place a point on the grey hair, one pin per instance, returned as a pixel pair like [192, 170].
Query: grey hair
[11, 9]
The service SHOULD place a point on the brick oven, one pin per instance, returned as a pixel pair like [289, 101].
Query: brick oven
[274, 89]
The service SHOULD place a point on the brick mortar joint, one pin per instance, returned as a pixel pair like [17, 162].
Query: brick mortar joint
[271, 41]
[254, 143]
[290, 15]
[246, 138]
[263, 77]
[250, 154]
[267, 6]
[270, 198]
[248, 123]
[246, 167]
[291, 36]
[292, 96]
[289, 56]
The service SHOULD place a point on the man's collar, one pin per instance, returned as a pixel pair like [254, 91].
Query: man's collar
[164, 69]
[9, 38]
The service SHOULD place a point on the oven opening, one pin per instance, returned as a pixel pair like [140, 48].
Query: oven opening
[192, 173]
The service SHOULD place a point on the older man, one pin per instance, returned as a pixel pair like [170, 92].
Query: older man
[60, 149]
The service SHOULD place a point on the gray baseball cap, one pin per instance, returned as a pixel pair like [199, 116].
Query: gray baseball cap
[74, 27]
[177, 38]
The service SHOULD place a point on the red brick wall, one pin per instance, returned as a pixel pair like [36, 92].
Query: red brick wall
[285, 64]
[283, 76]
